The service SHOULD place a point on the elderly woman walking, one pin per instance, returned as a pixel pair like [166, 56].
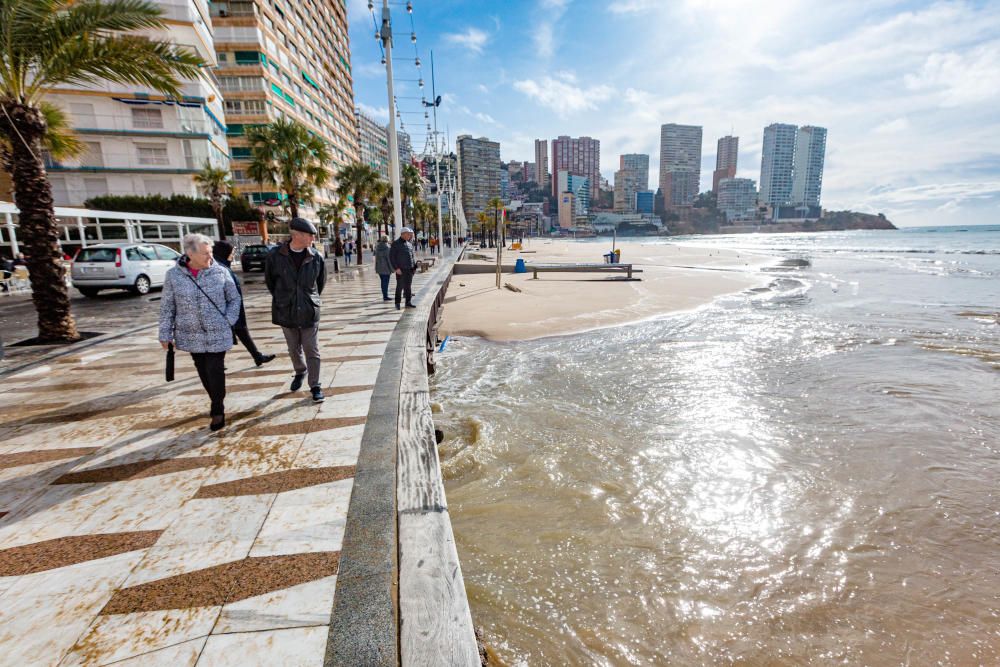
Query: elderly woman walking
[198, 309]
[382, 265]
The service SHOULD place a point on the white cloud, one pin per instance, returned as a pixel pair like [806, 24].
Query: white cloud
[893, 126]
[632, 6]
[381, 114]
[960, 78]
[544, 39]
[563, 96]
[473, 39]
[486, 118]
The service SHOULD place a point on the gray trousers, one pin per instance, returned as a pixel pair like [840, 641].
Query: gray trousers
[303, 348]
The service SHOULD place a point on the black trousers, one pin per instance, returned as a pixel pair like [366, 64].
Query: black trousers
[211, 369]
[243, 335]
[404, 285]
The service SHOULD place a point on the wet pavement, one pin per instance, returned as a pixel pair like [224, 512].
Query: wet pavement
[130, 534]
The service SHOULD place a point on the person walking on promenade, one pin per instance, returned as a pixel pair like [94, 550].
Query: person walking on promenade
[348, 251]
[338, 252]
[198, 309]
[403, 261]
[382, 265]
[295, 275]
[223, 252]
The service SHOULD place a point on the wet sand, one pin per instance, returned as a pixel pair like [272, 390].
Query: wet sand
[674, 278]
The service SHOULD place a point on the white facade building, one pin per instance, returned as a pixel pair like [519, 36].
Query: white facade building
[776, 163]
[810, 154]
[737, 198]
[138, 142]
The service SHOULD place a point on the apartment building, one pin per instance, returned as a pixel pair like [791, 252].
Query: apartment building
[138, 141]
[285, 59]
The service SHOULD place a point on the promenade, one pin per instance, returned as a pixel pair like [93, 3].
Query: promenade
[131, 535]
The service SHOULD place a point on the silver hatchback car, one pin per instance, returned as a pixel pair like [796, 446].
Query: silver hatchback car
[137, 267]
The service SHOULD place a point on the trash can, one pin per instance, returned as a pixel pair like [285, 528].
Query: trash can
[609, 258]
[519, 266]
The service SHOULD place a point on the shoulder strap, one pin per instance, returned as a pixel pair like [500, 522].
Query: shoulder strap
[206, 296]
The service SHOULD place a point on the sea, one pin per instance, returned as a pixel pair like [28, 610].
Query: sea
[804, 473]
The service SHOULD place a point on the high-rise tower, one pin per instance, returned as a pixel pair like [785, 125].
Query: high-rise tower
[725, 160]
[680, 164]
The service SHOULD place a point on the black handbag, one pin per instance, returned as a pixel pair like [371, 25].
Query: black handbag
[170, 362]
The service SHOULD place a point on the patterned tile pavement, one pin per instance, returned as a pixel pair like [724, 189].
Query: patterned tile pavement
[131, 535]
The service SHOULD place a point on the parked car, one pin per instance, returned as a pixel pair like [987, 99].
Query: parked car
[253, 256]
[137, 267]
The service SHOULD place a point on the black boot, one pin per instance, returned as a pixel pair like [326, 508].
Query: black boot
[262, 359]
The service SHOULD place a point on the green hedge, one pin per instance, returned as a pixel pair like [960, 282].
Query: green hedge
[235, 209]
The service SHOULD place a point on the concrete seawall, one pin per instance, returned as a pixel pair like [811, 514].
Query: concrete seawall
[400, 596]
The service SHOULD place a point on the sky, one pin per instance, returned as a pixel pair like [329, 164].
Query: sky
[908, 91]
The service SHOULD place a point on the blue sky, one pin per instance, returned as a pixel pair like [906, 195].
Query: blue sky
[909, 91]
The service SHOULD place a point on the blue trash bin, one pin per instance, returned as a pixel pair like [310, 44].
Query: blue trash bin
[519, 266]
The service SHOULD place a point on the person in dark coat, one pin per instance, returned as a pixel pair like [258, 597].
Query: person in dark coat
[223, 252]
[338, 252]
[382, 265]
[295, 275]
[403, 261]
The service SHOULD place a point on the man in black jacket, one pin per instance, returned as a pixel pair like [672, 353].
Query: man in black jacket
[295, 275]
[403, 261]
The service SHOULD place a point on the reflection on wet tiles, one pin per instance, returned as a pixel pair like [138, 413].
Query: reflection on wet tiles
[65, 551]
[42, 456]
[276, 482]
[236, 388]
[221, 584]
[137, 470]
[332, 391]
[66, 417]
[306, 426]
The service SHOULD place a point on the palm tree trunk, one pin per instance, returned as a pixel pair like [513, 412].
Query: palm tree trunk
[217, 209]
[293, 204]
[24, 127]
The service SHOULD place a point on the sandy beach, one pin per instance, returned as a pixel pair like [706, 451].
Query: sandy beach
[674, 278]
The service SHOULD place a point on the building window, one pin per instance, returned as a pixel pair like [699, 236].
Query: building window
[92, 155]
[150, 119]
[241, 152]
[153, 154]
[95, 187]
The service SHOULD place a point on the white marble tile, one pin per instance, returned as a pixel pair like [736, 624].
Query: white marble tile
[337, 447]
[306, 604]
[38, 630]
[161, 562]
[217, 519]
[293, 647]
[121, 636]
[306, 520]
[346, 405]
[184, 654]
[348, 377]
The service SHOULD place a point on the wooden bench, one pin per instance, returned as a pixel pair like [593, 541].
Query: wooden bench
[578, 268]
[424, 264]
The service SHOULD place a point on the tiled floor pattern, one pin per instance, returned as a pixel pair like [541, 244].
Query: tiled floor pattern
[131, 535]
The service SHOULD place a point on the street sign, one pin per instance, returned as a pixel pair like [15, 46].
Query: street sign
[246, 228]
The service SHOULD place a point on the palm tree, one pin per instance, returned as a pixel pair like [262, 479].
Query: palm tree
[333, 214]
[410, 187]
[50, 43]
[496, 205]
[217, 182]
[288, 155]
[483, 220]
[358, 180]
[381, 194]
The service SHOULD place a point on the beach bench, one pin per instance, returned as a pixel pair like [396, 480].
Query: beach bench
[578, 268]
[424, 264]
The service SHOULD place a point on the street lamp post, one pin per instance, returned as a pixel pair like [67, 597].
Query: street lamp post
[386, 35]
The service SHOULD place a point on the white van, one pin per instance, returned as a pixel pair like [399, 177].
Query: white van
[137, 267]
